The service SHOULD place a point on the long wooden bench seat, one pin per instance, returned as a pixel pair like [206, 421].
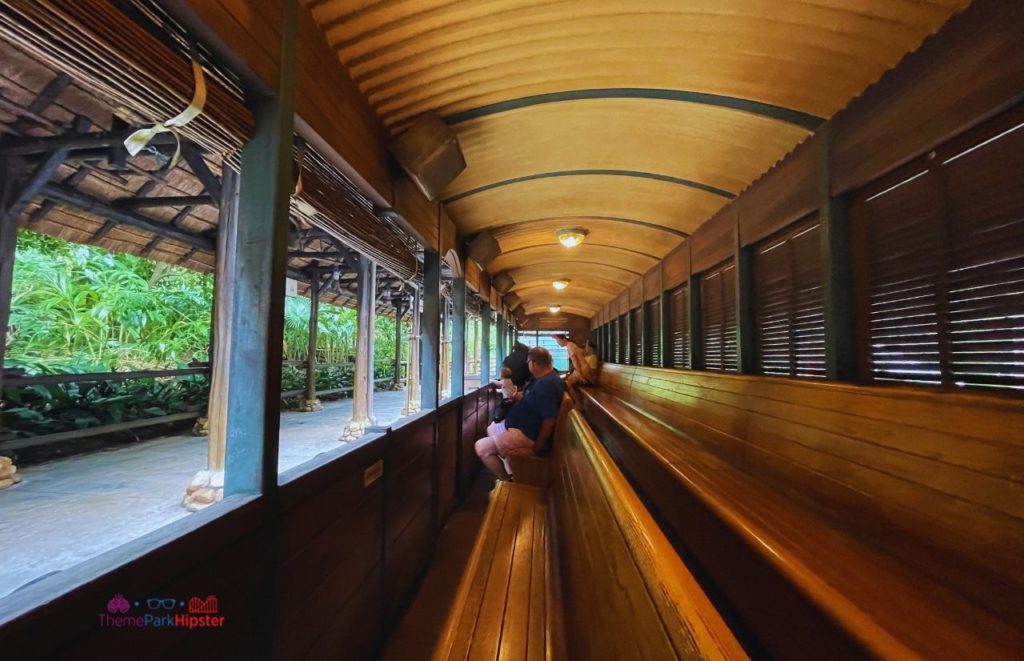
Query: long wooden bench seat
[579, 570]
[751, 479]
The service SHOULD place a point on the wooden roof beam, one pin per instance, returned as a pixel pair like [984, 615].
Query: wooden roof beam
[89, 204]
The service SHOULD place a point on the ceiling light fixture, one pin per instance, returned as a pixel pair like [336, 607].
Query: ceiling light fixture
[570, 237]
[555, 309]
[560, 284]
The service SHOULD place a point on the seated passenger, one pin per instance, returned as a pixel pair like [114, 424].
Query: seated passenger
[530, 421]
[581, 372]
[508, 393]
[516, 361]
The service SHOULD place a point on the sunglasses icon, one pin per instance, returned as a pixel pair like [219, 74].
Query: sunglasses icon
[166, 604]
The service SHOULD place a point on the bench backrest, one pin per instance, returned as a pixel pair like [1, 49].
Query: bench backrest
[933, 478]
[628, 594]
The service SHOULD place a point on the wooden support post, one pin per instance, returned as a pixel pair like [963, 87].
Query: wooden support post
[445, 365]
[311, 403]
[207, 486]
[458, 337]
[836, 244]
[397, 381]
[412, 381]
[485, 343]
[260, 268]
[664, 327]
[746, 338]
[696, 336]
[643, 358]
[430, 331]
[8, 244]
[362, 388]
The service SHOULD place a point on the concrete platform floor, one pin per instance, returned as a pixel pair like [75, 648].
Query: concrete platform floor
[68, 510]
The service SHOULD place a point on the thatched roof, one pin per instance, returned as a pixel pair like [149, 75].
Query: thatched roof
[39, 102]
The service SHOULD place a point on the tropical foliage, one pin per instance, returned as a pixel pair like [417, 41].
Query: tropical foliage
[81, 309]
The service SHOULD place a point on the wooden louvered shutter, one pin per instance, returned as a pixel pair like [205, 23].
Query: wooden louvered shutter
[945, 237]
[678, 341]
[788, 306]
[652, 325]
[718, 318]
[623, 347]
[635, 337]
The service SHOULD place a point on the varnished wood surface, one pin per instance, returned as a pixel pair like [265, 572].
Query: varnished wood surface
[631, 596]
[500, 608]
[326, 97]
[539, 88]
[916, 494]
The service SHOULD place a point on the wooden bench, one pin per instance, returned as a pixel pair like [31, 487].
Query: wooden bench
[579, 570]
[834, 520]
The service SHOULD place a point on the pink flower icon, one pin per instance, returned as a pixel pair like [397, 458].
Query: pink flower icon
[118, 604]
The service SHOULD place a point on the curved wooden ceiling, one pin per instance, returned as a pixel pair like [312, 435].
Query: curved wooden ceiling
[636, 119]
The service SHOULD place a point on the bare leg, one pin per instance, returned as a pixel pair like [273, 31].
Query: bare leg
[496, 466]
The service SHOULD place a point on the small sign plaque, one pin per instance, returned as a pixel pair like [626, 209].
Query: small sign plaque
[291, 287]
[373, 473]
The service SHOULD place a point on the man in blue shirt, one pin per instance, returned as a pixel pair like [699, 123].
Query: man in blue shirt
[530, 421]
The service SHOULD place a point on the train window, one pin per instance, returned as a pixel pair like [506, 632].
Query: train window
[635, 337]
[677, 349]
[788, 306]
[652, 328]
[718, 317]
[945, 281]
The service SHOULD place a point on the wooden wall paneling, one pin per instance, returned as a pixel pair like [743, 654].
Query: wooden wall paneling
[786, 193]
[485, 286]
[225, 541]
[676, 266]
[623, 303]
[562, 321]
[473, 275]
[715, 241]
[446, 459]
[939, 461]
[409, 515]
[326, 97]
[331, 553]
[449, 234]
[636, 293]
[469, 466]
[968, 71]
[420, 214]
[652, 283]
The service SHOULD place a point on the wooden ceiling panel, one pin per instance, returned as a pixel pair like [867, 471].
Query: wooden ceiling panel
[548, 271]
[670, 205]
[586, 254]
[399, 46]
[707, 145]
[624, 233]
[579, 112]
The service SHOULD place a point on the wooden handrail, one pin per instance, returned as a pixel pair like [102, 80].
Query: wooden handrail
[51, 379]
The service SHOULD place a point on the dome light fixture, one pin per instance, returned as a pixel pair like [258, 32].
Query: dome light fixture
[560, 284]
[570, 237]
[555, 309]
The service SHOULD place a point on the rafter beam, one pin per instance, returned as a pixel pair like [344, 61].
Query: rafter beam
[89, 204]
[73, 142]
[150, 202]
[202, 171]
